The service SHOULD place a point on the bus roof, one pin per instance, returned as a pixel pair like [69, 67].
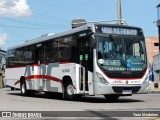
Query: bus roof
[51, 36]
[69, 32]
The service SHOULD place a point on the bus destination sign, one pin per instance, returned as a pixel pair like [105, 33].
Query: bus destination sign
[118, 30]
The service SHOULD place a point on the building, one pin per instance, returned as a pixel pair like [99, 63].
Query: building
[2, 59]
[2, 67]
[156, 59]
[158, 22]
[152, 48]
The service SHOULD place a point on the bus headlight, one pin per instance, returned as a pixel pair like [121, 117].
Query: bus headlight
[102, 79]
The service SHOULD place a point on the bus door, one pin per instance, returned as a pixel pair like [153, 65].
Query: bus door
[83, 56]
[36, 69]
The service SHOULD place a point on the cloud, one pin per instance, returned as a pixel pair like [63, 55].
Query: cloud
[3, 38]
[14, 8]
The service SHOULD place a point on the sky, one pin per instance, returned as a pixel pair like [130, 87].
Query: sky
[22, 20]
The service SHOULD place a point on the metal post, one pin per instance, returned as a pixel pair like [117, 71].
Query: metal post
[159, 53]
[159, 37]
[119, 12]
[1, 82]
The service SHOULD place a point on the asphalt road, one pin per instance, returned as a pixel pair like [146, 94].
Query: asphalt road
[13, 101]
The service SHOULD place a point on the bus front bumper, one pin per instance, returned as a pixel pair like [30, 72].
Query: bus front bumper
[103, 89]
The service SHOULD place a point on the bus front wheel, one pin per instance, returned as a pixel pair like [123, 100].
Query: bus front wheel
[111, 98]
[69, 91]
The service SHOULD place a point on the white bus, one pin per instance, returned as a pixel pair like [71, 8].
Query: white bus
[92, 59]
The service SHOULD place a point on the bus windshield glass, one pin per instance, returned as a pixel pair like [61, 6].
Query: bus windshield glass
[121, 53]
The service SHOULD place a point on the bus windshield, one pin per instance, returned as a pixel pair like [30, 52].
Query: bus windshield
[121, 53]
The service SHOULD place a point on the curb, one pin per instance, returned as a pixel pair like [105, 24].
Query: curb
[154, 91]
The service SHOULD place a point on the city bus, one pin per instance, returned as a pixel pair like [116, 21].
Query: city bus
[94, 58]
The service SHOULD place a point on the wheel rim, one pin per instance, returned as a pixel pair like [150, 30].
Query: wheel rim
[70, 90]
[23, 88]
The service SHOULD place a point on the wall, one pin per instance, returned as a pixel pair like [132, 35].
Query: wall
[152, 50]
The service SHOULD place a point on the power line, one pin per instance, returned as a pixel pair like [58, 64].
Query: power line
[33, 23]
[61, 23]
[55, 18]
[24, 27]
[42, 16]
[13, 32]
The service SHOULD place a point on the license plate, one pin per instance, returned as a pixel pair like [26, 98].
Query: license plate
[127, 92]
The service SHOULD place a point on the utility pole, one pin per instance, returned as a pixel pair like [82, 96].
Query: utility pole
[119, 12]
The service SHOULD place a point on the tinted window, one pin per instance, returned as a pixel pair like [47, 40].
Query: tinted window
[20, 56]
[61, 49]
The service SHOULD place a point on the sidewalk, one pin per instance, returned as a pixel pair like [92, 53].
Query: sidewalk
[152, 89]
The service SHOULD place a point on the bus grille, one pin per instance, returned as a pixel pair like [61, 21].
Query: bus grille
[120, 75]
[120, 89]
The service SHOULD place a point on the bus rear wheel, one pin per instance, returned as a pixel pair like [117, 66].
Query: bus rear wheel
[12, 88]
[111, 98]
[23, 88]
[24, 91]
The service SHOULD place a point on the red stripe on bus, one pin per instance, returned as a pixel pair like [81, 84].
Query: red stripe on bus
[28, 78]
[65, 62]
[40, 77]
[43, 77]
[18, 81]
[17, 66]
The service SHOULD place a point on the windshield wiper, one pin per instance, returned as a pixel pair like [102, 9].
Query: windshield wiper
[111, 38]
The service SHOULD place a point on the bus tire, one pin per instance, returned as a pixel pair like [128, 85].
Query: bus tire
[111, 98]
[23, 88]
[69, 91]
[31, 93]
[48, 94]
[12, 88]
[24, 91]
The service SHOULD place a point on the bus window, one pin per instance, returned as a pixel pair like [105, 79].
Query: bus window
[50, 51]
[10, 57]
[136, 49]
